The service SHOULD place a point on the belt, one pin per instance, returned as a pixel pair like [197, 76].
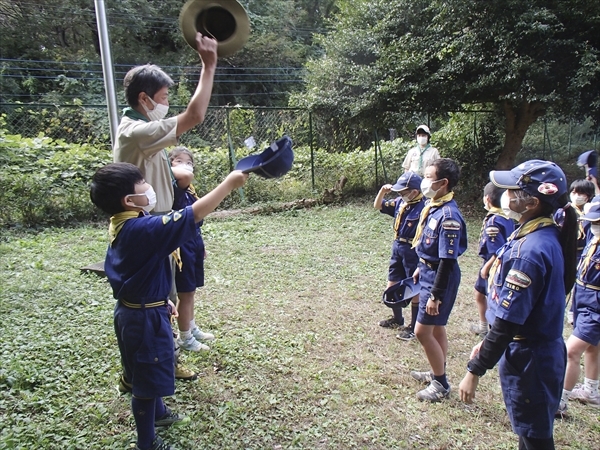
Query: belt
[408, 241]
[146, 305]
[518, 337]
[429, 264]
[588, 286]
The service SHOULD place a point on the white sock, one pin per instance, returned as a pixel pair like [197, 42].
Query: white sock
[483, 325]
[185, 335]
[193, 324]
[590, 385]
[565, 395]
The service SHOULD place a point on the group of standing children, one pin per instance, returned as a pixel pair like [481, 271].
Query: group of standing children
[525, 277]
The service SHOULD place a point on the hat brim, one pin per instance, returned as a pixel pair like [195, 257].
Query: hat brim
[591, 217]
[249, 164]
[504, 179]
[232, 9]
[410, 290]
[399, 188]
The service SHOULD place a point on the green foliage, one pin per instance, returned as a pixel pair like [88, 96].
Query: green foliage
[45, 181]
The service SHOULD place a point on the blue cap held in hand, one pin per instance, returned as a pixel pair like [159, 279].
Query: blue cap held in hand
[401, 294]
[589, 159]
[274, 162]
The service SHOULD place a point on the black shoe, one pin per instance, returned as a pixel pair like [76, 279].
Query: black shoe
[406, 335]
[171, 418]
[157, 444]
[391, 323]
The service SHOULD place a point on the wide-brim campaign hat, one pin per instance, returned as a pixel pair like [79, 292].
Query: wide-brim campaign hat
[589, 159]
[274, 162]
[225, 20]
[592, 210]
[542, 179]
[401, 294]
[408, 180]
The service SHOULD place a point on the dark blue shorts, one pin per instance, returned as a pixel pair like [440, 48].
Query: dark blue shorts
[531, 376]
[403, 262]
[481, 284]
[426, 278]
[191, 275]
[586, 314]
[145, 339]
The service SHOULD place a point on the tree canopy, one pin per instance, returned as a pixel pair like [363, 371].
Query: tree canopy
[384, 56]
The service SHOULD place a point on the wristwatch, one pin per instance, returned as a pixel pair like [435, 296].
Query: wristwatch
[433, 299]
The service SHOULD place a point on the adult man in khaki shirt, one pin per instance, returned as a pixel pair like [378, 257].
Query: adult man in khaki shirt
[143, 132]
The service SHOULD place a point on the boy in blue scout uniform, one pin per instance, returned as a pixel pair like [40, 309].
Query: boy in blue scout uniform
[138, 270]
[495, 230]
[526, 300]
[441, 237]
[405, 210]
[586, 320]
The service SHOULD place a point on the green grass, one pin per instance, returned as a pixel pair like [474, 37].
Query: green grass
[299, 361]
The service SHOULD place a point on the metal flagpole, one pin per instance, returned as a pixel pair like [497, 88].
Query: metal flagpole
[107, 70]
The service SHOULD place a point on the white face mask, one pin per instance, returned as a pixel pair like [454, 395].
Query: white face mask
[426, 188]
[578, 199]
[485, 204]
[505, 204]
[595, 229]
[151, 196]
[405, 198]
[159, 111]
[422, 140]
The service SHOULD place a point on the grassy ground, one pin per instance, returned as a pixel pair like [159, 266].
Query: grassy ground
[299, 361]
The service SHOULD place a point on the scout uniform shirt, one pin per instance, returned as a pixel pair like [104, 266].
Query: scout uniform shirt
[406, 216]
[495, 230]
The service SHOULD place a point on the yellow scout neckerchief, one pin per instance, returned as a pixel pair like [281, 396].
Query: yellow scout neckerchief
[523, 230]
[425, 212]
[117, 221]
[585, 261]
[399, 217]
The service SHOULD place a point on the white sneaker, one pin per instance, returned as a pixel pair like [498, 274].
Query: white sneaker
[192, 345]
[562, 409]
[585, 396]
[425, 377]
[434, 392]
[201, 335]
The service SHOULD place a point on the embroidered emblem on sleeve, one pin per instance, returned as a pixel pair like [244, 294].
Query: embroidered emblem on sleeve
[547, 189]
[451, 225]
[177, 215]
[166, 219]
[517, 280]
[492, 232]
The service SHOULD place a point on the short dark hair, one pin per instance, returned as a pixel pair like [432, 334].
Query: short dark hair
[448, 169]
[494, 193]
[148, 78]
[113, 182]
[585, 187]
[176, 151]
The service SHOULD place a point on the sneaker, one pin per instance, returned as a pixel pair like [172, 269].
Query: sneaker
[562, 409]
[391, 323]
[425, 377]
[585, 396]
[201, 335]
[434, 392]
[406, 335]
[157, 444]
[478, 330]
[183, 373]
[125, 387]
[171, 419]
[192, 345]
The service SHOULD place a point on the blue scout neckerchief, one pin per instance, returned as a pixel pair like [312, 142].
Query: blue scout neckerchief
[425, 212]
[401, 211]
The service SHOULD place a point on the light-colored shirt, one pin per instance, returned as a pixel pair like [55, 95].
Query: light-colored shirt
[142, 143]
[417, 159]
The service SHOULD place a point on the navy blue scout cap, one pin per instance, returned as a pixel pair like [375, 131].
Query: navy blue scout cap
[274, 162]
[590, 159]
[400, 294]
[542, 179]
[408, 180]
[592, 210]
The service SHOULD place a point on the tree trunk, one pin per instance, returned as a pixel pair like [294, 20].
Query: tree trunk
[519, 118]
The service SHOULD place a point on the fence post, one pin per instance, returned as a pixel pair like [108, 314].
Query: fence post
[232, 154]
[570, 131]
[376, 171]
[312, 150]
